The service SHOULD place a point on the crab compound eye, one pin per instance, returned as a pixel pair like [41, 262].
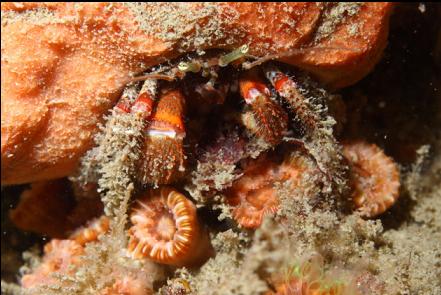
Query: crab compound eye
[193, 67]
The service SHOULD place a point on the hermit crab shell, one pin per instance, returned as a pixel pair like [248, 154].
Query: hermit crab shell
[61, 73]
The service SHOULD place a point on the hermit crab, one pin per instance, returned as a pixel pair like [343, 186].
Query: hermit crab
[163, 157]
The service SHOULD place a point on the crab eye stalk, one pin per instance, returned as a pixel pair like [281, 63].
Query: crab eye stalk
[166, 229]
[233, 56]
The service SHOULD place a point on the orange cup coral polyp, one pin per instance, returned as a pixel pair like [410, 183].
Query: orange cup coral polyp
[254, 195]
[95, 228]
[166, 229]
[375, 178]
[311, 277]
[59, 257]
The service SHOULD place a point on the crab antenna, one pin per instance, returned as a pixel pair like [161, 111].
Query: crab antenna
[151, 77]
[293, 52]
[233, 55]
[194, 67]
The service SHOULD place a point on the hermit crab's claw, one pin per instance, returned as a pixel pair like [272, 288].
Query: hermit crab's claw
[143, 104]
[163, 155]
[264, 117]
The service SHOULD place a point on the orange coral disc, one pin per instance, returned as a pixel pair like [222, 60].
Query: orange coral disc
[375, 178]
[166, 229]
[59, 256]
[299, 287]
[95, 228]
[294, 166]
[312, 277]
[253, 195]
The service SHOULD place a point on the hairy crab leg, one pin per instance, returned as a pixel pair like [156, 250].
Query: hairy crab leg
[288, 89]
[118, 149]
[162, 155]
[143, 104]
[124, 103]
[319, 140]
[264, 117]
